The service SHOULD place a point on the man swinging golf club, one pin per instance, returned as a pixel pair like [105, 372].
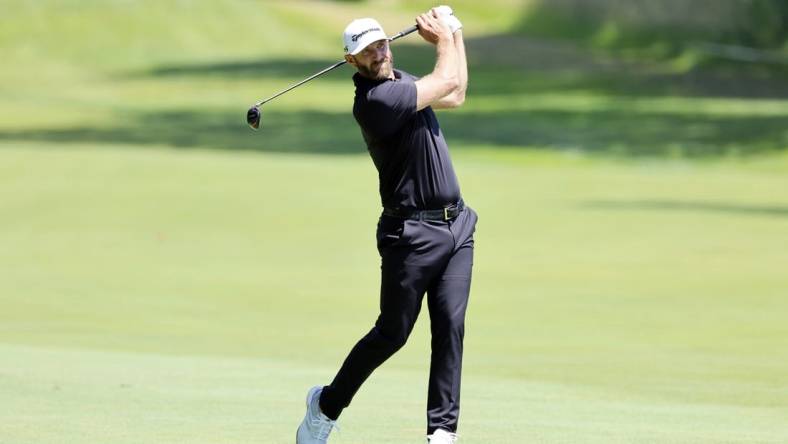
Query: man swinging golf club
[425, 234]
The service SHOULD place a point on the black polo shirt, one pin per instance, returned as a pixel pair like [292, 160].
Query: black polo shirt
[407, 146]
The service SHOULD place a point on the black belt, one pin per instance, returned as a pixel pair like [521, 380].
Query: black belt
[446, 213]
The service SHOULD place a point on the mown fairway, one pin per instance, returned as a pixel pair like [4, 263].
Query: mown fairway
[166, 275]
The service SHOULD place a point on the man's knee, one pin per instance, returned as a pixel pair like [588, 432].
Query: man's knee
[452, 328]
[391, 339]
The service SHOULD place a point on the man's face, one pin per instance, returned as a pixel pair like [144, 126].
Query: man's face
[375, 61]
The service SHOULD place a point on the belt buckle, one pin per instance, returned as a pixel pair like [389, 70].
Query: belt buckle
[445, 213]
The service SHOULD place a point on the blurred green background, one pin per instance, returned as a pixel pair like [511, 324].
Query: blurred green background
[168, 275]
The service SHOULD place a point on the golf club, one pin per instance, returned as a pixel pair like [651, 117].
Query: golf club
[253, 116]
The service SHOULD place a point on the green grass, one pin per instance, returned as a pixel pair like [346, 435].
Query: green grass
[192, 297]
[166, 275]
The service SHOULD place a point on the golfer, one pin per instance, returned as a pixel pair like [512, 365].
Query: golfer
[425, 234]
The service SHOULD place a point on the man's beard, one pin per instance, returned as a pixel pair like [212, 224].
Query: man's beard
[381, 71]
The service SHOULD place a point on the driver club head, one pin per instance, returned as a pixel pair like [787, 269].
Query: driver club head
[253, 117]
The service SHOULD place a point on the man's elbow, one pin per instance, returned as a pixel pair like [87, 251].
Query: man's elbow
[451, 84]
[457, 98]
[460, 98]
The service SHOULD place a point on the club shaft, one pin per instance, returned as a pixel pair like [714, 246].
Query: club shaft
[335, 65]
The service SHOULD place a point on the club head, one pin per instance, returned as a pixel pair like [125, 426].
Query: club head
[253, 117]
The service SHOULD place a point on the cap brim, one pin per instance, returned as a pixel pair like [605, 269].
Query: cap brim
[368, 40]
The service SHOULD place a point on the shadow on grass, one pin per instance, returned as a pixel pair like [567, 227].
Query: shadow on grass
[304, 132]
[506, 63]
[509, 63]
[619, 133]
[242, 69]
[693, 206]
[622, 132]
[502, 67]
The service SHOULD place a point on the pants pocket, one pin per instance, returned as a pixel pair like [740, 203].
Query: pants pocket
[390, 231]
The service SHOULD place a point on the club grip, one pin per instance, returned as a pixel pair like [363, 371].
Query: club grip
[405, 32]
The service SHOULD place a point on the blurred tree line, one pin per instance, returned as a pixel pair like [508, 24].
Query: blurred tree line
[766, 24]
[760, 24]
[664, 25]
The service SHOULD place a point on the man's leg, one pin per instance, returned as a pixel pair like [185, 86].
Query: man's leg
[447, 299]
[402, 290]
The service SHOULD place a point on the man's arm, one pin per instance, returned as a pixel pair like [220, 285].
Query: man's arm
[457, 97]
[444, 79]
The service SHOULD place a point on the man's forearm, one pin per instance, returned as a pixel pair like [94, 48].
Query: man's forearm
[456, 97]
[443, 80]
[462, 65]
[447, 61]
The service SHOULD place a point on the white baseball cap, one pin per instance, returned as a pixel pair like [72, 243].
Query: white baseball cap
[360, 33]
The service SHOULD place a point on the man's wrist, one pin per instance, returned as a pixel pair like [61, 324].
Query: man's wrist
[446, 39]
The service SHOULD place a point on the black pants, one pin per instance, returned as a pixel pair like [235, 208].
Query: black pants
[435, 257]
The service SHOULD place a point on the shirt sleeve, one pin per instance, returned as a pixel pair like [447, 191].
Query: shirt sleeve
[389, 106]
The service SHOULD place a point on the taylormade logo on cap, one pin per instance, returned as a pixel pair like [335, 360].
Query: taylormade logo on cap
[355, 37]
[360, 33]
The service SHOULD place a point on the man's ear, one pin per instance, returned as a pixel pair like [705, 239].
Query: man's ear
[350, 59]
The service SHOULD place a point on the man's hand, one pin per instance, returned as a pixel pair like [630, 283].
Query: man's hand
[432, 28]
[447, 15]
